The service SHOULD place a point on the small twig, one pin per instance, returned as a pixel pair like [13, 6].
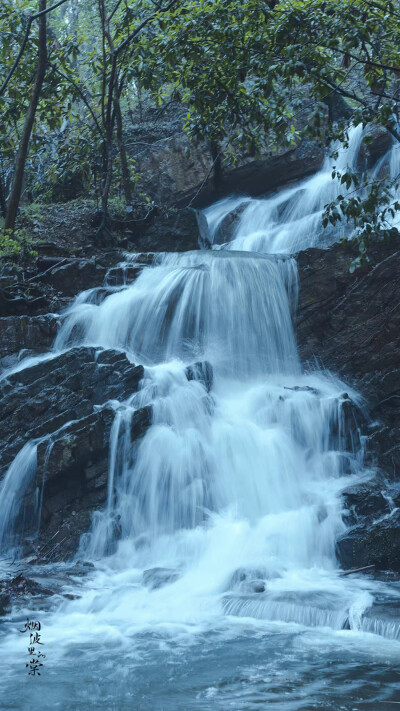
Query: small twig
[46, 544]
[356, 570]
[57, 264]
[52, 550]
[204, 181]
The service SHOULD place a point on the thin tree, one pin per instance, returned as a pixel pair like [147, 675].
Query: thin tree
[16, 188]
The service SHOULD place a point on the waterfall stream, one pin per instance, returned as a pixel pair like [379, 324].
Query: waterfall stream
[229, 509]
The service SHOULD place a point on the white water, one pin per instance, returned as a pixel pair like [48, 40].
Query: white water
[230, 506]
[291, 220]
[13, 488]
[388, 167]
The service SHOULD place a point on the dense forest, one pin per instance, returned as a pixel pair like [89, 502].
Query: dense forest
[246, 78]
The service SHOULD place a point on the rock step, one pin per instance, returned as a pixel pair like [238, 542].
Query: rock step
[40, 399]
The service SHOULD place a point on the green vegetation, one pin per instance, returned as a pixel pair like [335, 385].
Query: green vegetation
[15, 244]
[251, 73]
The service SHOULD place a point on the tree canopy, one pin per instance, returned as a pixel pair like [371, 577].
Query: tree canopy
[252, 74]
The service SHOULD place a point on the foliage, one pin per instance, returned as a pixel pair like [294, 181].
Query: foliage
[251, 73]
[15, 244]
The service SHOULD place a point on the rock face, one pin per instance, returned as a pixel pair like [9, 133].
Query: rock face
[185, 174]
[74, 466]
[30, 298]
[66, 402]
[62, 403]
[38, 400]
[177, 230]
[30, 334]
[350, 323]
[201, 371]
[47, 285]
[378, 141]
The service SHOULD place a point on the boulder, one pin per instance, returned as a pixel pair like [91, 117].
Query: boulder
[20, 588]
[365, 500]
[257, 176]
[155, 578]
[74, 275]
[377, 141]
[47, 285]
[376, 543]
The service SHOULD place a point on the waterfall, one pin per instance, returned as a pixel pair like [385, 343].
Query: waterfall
[197, 305]
[15, 520]
[231, 502]
[291, 219]
[245, 477]
[388, 167]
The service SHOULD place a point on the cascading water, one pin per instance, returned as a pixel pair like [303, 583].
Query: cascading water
[289, 221]
[220, 527]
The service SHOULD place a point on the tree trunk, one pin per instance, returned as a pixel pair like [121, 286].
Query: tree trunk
[16, 189]
[2, 198]
[126, 179]
[217, 163]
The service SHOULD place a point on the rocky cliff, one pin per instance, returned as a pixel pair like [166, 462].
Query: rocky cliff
[350, 324]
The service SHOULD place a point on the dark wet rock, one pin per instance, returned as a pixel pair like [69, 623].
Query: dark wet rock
[26, 298]
[19, 589]
[364, 500]
[302, 388]
[226, 228]
[255, 177]
[74, 275]
[140, 422]
[174, 231]
[31, 334]
[5, 600]
[350, 323]
[61, 402]
[346, 430]
[42, 398]
[372, 511]
[201, 371]
[377, 543]
[258, 586]
[377, 141]
[73, 468]
[127, 274]
[155, 578]
[176, 171]
[47, 285]
[383, 447]
[249, 580]
[73, 471]
[72, 453]
[20, 585]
